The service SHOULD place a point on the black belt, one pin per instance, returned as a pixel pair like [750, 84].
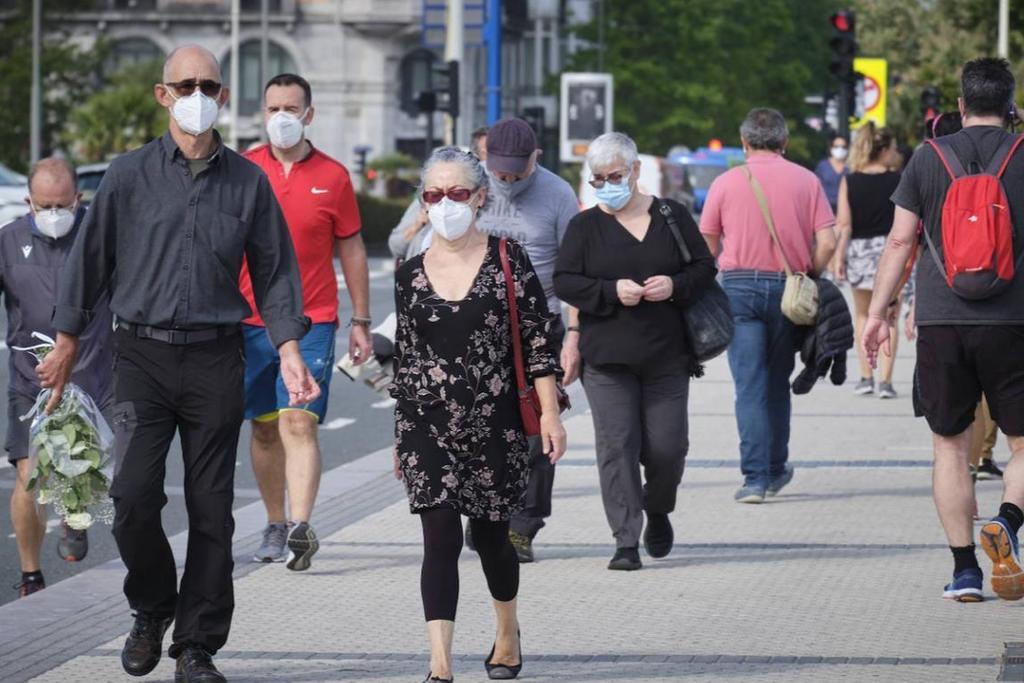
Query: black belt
[178, 337]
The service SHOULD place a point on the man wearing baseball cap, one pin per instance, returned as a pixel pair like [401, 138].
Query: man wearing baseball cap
[533, 206]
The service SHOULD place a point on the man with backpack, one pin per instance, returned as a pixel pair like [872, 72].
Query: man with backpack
[968, 188]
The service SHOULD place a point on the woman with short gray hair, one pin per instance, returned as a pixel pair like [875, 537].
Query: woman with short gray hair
[460, 443]
[620, 265]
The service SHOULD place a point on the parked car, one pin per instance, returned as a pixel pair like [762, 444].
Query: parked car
[13, 190]
[700, 169]
[89, 177]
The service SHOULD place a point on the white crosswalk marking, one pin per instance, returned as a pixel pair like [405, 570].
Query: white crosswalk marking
[338, 423]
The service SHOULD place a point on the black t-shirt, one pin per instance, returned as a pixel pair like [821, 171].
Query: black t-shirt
[922, 190]
[871, 209]
[597, 252]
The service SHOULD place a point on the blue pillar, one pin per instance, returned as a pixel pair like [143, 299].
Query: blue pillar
[492, 33]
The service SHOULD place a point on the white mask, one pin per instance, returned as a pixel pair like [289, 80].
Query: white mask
[839, 153]
[450, 220]
[54, 223]
[196, 113]
[285, 130]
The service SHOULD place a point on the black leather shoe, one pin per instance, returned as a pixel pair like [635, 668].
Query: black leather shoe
[625, 559]
[504, 672]
[141, 652]
[196, 666]
[658, 536]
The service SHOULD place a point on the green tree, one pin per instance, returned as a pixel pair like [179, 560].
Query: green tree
[122, 116]
[68, 73]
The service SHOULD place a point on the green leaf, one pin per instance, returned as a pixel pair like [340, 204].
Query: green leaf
[69, 499]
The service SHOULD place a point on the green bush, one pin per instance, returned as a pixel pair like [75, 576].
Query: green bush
[379, 216]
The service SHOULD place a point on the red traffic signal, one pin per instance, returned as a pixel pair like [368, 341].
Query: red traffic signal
[842, 21]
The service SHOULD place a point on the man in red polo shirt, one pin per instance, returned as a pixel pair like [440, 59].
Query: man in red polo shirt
[319, 205]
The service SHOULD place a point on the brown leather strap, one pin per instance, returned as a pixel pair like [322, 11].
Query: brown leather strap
[766, 212]
[513, 313]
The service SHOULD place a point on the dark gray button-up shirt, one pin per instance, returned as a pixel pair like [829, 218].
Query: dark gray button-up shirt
[170, 246]
[30, 270]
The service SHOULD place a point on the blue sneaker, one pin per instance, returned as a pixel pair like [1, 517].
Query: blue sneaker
[750, 494]
[777, 484]
[1001, 547]
[966, 586]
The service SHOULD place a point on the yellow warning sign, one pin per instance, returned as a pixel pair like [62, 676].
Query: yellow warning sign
[872, 93]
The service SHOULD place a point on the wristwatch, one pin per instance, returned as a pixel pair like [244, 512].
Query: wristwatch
[361, 321]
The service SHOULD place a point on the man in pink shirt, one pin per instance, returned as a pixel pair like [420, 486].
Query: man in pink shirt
[762, 354]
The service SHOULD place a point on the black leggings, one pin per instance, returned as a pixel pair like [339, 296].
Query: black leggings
[442, 544]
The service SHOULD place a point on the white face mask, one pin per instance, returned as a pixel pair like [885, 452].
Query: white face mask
[450, 220]
[285, 130]
[54, 223]
[840, 153]
[196, 113]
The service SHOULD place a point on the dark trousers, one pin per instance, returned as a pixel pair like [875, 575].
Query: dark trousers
[640, 420]
[196, 390]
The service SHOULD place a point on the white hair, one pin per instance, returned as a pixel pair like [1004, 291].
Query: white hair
[610, 148]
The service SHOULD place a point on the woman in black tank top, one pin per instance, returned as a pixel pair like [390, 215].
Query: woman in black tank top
[865, 215]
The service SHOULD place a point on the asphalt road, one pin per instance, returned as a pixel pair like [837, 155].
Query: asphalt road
[359, 421]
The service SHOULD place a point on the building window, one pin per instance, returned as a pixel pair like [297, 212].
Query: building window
[129, 51]
[250, 95]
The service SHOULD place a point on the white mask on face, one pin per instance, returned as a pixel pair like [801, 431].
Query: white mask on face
[196, 113]
[450, 220]
[839, 153]
[54, 223]
[285, 130]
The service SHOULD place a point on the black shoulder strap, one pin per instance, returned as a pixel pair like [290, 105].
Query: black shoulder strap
[948, 157]
[670, 218]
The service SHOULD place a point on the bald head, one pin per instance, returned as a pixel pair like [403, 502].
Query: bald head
[191, 61]
[52, 184]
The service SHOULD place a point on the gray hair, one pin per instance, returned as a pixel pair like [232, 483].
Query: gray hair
[609, 148]
[470, 163]
[765, 129]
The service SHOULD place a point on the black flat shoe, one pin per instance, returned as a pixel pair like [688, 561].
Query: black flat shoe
[658, 536]
[504, 672]
[625, 559]
[431, 677]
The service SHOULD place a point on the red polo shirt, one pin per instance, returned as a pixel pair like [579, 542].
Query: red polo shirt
[319, 206]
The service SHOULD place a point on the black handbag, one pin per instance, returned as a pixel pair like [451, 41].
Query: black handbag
[709, 323]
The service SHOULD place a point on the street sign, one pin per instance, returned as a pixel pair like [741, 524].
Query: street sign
[586, 112]
[872, 103]
[434, 24]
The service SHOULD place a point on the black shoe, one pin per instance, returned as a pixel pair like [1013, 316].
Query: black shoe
[504, 672]
[196, 666]
[626, 559]
[988, 469]
[523, 545]
[431, 677]
[302, 545]
[658, 536]
[469, 538]
[141, 652]
[30, 583]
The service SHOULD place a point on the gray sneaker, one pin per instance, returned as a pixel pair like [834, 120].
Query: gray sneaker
[275, 536]
[864, 387]
[750, 494]
[777, 484]
[885, 390]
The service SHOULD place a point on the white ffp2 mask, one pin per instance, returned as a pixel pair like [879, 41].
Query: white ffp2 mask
[196, 113]
[450, 220]
[285, 130]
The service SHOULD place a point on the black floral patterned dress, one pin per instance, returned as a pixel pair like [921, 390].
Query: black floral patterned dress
[459, 435]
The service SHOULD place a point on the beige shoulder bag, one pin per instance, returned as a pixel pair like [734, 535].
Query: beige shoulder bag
[800, 298]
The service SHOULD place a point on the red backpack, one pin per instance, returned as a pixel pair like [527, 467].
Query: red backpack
[977, 229]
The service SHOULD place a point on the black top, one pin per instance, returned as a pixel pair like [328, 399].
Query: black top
[30, 270]
[170, 246]
[597, 252]
[871, 209]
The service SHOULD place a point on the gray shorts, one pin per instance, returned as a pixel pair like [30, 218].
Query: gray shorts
[862, 258]
[17, 431]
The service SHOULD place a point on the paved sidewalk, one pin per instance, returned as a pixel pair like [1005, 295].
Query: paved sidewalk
[837, 579]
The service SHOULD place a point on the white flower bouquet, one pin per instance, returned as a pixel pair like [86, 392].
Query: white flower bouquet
[70, 450]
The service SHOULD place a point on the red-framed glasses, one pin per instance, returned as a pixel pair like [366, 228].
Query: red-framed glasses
[456, 194]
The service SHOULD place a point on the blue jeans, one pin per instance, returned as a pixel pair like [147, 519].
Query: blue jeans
[761, 358]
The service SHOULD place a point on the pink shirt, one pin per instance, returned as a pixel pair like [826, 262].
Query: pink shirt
[797, 203]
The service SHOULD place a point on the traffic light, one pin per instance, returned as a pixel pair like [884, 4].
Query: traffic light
[931, 102]
[361, 152]
[452, 104]
[844, 50]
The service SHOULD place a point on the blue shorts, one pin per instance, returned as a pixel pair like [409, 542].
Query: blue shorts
[265, 393]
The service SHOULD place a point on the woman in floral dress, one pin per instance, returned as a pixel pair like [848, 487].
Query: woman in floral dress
[460, 448]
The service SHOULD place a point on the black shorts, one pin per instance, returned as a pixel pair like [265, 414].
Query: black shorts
[17, 431]
[957, 363]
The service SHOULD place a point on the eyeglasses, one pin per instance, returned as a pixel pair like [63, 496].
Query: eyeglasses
[598, 181]
[185, 88]
[456, 194]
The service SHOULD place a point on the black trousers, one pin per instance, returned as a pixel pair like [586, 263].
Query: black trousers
[196, 390]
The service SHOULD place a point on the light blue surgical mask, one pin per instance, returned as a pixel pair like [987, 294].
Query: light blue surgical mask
[615, 196]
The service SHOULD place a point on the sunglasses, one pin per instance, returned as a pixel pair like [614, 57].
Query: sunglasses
[185, 88]
[598, 181]
[456, 194]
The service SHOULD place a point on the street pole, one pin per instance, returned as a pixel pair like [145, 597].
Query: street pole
[493, 36]
[36, 104]
[236, 87]
[600, 36]
[1004, 29]
[264, 53]
[454, 50]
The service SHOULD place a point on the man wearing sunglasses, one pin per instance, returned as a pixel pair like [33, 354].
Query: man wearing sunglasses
[166, 233]
[315, 193]
[533, 206]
